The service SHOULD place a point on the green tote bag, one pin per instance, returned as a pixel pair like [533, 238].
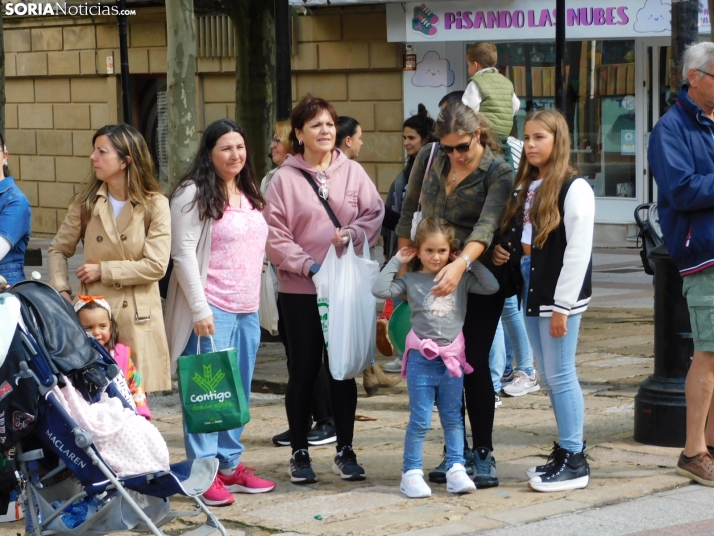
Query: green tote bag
[211, 389]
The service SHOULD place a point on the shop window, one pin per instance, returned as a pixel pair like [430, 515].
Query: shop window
[600, 104]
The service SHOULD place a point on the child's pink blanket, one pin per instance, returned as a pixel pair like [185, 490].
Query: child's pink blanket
[129, 443]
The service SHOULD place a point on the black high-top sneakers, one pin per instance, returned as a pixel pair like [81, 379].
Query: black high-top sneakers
[569, 470]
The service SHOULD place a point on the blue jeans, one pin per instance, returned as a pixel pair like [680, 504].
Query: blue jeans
[517, 344]
[233, 330]
[428, 380]
[556, 364]
[497, 357]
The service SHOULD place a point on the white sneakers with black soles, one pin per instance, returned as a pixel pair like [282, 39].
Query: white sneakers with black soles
[300, 469]
[568, 470]
[346, 465]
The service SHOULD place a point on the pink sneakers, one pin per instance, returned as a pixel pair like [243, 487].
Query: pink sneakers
[244, 481]
[217, 495]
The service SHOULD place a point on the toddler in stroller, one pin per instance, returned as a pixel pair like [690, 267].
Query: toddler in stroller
[48, 350]
[95, 315]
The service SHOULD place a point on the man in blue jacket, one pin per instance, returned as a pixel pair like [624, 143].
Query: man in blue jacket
[681, 153]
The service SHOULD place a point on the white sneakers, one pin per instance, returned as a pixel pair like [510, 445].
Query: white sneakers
[457, 481]
[522, 384]
[413, 485]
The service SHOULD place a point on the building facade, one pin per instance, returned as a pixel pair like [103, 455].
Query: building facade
[62, 84]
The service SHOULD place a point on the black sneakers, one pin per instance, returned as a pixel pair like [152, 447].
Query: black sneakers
[282, 440]
[568, 470]
[485, 475]
[554, 456]
[346, 465]
[322, 434]
[300, 469]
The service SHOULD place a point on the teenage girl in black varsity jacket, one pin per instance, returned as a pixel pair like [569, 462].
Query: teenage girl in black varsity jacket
[548, 247]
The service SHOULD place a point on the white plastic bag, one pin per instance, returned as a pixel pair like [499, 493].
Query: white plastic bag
[348, 309]
[268, 309]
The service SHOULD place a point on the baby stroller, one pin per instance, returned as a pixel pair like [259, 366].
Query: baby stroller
[42, 343]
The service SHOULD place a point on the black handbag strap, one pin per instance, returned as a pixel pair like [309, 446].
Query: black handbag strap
[324, 202]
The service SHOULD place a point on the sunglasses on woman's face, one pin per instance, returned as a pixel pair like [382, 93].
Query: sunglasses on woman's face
[460, 148]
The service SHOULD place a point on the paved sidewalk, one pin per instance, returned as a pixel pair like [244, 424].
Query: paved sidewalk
[614, 356]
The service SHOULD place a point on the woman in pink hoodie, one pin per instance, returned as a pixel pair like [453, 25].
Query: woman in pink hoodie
[300, 233]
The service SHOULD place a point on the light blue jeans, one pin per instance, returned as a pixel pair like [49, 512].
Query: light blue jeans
[497, 357]
[556, 364]
[428, 380]
[233, 330]
[517, 345]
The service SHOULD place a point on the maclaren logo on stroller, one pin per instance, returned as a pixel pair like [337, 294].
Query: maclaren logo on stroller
[65, 451]
[208, 383]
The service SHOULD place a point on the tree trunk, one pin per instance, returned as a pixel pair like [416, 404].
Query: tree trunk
[181, 87]
[254, 24]
[2, 81]
[685, 32]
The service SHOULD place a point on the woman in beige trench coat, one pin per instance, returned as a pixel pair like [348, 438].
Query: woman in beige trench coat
[126, 226]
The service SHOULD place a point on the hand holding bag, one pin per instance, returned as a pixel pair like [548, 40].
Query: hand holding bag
[212, 396]
[348, 310]
[419, 213]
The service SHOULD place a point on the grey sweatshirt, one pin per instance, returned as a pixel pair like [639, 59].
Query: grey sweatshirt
[437, 318]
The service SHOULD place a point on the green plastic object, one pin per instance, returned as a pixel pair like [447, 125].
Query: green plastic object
[400, 324]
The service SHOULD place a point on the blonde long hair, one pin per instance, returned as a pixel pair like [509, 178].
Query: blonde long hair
[544, 213]
[141, 183]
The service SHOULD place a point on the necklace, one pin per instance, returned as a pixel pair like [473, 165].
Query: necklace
[454, 172]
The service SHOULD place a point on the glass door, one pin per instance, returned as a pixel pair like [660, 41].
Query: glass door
[657, 94]
[603, 107]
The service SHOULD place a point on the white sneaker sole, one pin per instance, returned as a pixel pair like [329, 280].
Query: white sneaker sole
[532, 389]
[423, 495]
[208, 502]
[565, 485]
[235, 488]
[325, 441]
[465, 488]
[532, 474]
[344, 476]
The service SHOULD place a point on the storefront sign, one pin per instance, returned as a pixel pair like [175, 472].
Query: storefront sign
[509, 20]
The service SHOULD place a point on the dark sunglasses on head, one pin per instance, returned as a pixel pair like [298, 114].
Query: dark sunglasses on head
[460, 148]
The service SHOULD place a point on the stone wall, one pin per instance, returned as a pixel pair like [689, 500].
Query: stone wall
[342, 55]
[59, 92]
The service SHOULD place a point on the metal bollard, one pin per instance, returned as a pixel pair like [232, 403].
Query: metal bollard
[660, 405]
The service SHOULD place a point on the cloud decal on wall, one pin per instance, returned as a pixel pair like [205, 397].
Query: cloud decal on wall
[433, 71]
[655, 16]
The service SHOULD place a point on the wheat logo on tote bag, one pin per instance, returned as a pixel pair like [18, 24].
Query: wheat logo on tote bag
[212, 396]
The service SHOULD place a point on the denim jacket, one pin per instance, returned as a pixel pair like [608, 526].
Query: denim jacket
[15, 220]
